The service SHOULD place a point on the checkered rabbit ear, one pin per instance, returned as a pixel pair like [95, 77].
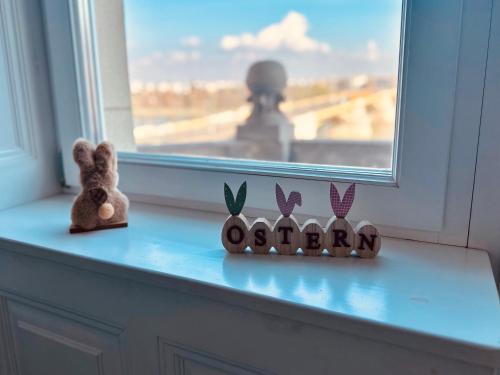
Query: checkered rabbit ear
[341, 207]
[286, 206]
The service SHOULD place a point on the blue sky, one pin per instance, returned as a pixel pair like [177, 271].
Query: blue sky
[209, 40]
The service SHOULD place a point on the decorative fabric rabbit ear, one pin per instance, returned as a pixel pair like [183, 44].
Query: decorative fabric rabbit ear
[341, 207]
[286, 206]
[235, 206]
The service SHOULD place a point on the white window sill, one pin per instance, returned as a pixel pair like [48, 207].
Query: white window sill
[434, 298]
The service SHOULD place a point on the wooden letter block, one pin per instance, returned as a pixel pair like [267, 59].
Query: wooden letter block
[286, 235]
[340, 237]
[261, 236]
[368, 240]
[312, 240]
[234, 233]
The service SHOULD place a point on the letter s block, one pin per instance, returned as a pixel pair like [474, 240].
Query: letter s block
[340, 237]
[312, 240]
[286, 235]
[368, 240]
[234, 234]
[261, 237]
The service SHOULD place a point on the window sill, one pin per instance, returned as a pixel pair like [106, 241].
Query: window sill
[434, 298]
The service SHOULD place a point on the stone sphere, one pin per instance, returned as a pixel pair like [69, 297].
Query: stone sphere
[265, 77]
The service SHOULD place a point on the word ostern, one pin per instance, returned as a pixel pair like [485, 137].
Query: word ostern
[339, 238]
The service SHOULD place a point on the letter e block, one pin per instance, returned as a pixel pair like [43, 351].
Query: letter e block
[312, 239]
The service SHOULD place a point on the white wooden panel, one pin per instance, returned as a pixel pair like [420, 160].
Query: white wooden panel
[468, 102]
[7, 357]
[7, 135]
[16, 130]
[28, 160]
[485, 215]
[176, 359]
[47, 343]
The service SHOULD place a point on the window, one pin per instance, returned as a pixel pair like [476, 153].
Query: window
[188, 90]
[406, 191]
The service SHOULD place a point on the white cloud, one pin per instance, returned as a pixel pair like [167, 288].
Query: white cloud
[290, 33]
[372, 51]
[191, 41]
[156, 59]
[184, 56]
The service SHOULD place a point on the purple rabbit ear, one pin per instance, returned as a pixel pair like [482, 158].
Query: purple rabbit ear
[286, 206]
[280, 198]
[341, 207]
[334, 199]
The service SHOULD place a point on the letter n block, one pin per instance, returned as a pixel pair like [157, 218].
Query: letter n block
[261, 236]
[312, 240]
[340, 237]
[234, 233]
[368, 240]
[286, 235]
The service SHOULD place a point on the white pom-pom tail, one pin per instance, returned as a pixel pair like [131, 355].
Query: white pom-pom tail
[106, 211]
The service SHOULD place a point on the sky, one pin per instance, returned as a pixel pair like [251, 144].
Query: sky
[211, 40]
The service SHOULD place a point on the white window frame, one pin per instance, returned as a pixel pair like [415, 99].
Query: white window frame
[443, 64]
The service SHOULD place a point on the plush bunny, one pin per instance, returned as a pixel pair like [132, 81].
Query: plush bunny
[100, 204]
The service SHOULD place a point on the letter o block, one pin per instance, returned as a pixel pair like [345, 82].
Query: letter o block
[340, 237]
[234, 234]
[286, 235]
[261, 236]
[312, 239]
[368, 240]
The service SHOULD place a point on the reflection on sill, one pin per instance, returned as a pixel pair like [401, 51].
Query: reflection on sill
[259, 274]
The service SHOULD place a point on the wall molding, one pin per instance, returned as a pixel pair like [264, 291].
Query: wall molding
[96, 353]
[7, 355]
[91, 341]
[12, 41]
[175, 359]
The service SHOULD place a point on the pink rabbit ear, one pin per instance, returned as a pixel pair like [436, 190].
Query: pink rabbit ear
[286, 206]
[296, 198]
[347, 200]
[280, 199]
[341, 208]
[334, 199]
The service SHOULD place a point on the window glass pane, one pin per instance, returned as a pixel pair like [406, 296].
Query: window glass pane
[322, 89]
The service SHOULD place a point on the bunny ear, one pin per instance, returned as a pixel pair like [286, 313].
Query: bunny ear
[104, 156]
[83, 153]
[240, 198]
[334, 199]
[296, 198]
[229, 197]
[341, 208]
[280, 199]
[348, 200]
[286, 206]
[235, 206]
